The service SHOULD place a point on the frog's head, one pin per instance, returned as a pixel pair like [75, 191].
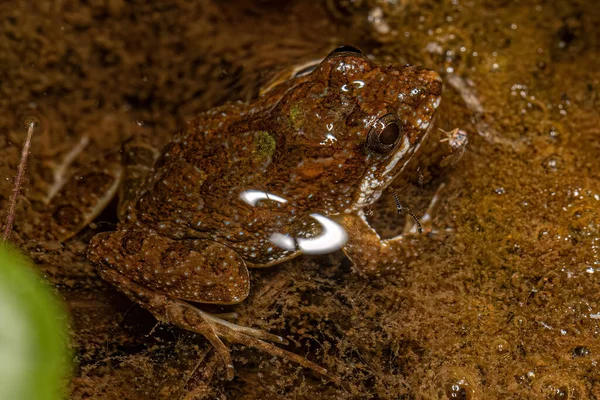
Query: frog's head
[351, 126]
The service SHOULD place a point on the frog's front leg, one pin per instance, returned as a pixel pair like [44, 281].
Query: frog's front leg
[369, 253]
[163, 274]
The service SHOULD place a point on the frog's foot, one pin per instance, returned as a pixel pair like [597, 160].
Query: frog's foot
[76, 198]
[375, 256]
[188, 317]
[255, 338]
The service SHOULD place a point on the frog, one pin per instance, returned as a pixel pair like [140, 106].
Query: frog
[328, 140]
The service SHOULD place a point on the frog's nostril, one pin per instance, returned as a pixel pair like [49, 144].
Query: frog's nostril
[435, 85]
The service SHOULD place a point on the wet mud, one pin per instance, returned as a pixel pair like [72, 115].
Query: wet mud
[502, 298]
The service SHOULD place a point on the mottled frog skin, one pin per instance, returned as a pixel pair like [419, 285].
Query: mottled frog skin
[329, 142]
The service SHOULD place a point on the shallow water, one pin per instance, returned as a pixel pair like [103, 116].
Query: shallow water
[501, 302]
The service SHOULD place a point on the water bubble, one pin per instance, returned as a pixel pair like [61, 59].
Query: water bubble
[559, 387]
[376, 18]
[558, 393]
[501, 347]
[552, 163]
[332, 238]
[459, 389]
[285, 242]
[457, 383]
[520, 321]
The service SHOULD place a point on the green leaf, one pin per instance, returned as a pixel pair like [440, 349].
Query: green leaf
[34, 358]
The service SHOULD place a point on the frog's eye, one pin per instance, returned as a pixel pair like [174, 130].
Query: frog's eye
[345, 49]
[385, 135]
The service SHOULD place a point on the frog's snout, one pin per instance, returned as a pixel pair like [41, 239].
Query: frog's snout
[431, 76]
[433, 85]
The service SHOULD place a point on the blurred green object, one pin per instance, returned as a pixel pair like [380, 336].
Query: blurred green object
[34, 358]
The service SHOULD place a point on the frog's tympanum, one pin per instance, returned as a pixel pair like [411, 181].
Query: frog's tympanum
[329, 141]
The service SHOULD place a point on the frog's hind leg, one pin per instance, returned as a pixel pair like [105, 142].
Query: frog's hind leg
[188, 317]
[163, 274]
[82, 197]
[170, 310]
[74, 200]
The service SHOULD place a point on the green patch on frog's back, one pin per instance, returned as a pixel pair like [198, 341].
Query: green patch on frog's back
[296, 116]
[264, 146]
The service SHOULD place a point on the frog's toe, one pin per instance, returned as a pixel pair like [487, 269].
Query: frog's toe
[243, 336]
[257, 333]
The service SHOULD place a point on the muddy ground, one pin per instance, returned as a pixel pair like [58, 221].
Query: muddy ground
[503, 300]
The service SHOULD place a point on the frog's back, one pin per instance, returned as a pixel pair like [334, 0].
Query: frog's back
[195, 185]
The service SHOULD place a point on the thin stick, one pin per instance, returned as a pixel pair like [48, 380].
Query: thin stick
[399, 209]
[61, 172]
[398, 204]
[10, 218]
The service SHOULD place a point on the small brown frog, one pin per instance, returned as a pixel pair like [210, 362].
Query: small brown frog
[328, 141]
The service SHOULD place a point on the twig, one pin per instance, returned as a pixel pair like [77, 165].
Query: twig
[10, 218]
[399, 208]
[60, 172]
